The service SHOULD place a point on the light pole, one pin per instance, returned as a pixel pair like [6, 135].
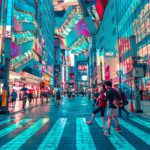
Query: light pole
[7, 46]
[137, 70]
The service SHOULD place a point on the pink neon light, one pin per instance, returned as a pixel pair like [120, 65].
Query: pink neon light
[15, 50]
[17, 26]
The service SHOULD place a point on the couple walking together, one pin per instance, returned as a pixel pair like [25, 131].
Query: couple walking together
[107, 94]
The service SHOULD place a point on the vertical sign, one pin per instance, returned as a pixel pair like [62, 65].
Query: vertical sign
[4, 98]
[107, 73]
[9, 18]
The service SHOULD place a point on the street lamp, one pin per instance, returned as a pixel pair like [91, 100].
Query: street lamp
[7, 46]
[139, 70]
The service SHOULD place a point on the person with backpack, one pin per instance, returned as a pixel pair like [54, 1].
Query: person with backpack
[113, 97]
[125, 102]
[101, 106]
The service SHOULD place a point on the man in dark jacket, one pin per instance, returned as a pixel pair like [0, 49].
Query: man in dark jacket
[112, 110]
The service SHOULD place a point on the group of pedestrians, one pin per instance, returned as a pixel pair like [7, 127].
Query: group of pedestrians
[114, 99]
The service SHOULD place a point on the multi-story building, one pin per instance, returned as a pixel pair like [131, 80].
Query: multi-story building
[31, 32]
[133, 20]
[46, 19]
[122, 20]
[107, 45]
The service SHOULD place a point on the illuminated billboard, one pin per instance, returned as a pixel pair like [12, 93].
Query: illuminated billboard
[82, 67]
[82, 70]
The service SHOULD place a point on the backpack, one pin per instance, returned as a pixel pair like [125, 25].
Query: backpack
[124, 98]
[117, 101]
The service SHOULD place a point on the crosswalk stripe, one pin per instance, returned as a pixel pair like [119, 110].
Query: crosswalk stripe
[13, 127]
[145, 137]
[18, 141]
[141, 121]
[5, 121]
[53, 137]
[118, 141]
[84, 139]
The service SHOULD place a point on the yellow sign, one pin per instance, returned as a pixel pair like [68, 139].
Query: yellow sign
[4, 98]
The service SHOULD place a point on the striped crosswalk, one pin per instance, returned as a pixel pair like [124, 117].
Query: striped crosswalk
[51, 141]
[84, 138]
[145, 137]
[13, 127]
[118, 141]
[18, 141]
[140, 121]
[5, 121]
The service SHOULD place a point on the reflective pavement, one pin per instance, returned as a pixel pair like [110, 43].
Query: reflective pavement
[51, 126]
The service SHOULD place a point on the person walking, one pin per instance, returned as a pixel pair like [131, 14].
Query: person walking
[25, 95]
[112, 110]
[58, 96]
[101, 106]
[30, 97]
[13, 97]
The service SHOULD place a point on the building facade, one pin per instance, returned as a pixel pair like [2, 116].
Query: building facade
[26, 24]
[122, 20]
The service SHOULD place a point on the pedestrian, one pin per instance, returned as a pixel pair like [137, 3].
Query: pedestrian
[13, 97]
[112, 109]
[58, 96]
[30, 97]
[125, 102]
[25, 95]
[101, 106]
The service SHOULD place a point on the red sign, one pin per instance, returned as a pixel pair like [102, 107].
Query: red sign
[107, 73]
[68, 61]
[82, 67]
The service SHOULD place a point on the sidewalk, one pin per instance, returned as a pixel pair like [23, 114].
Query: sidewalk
[145, 106]
[19, 105]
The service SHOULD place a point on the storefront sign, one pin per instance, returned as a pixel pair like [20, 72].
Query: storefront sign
[37, 47]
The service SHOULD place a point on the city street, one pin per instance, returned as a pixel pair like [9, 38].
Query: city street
[52, 126]
[60, 58]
